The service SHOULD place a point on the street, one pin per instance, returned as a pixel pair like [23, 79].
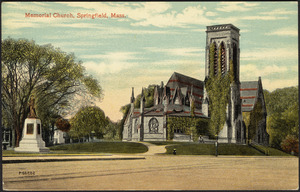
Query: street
[157, 172]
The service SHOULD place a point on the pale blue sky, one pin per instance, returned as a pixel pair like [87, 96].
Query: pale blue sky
[157, 38]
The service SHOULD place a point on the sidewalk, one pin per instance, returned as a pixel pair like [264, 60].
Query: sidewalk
[154, 149]
[19, 159]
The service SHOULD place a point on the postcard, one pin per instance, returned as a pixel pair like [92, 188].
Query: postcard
[149, 95]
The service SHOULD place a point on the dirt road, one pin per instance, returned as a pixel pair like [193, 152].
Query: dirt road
[157, 172]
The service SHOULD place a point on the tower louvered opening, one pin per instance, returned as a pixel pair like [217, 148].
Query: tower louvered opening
[223, 58]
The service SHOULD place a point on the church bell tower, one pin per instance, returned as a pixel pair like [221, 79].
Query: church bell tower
[223, 56]
[222, 41]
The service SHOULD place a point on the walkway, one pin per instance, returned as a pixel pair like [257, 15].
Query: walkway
[154, 149]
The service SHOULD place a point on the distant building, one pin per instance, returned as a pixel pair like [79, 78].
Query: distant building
[59, 137]
[184, 96]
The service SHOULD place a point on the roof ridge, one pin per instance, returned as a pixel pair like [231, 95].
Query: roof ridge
[176, 73]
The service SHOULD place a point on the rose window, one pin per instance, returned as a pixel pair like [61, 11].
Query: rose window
[153, 125]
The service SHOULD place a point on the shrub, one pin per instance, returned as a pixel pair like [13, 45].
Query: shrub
[290, 143]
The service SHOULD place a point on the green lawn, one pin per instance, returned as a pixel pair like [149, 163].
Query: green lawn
[270, 151]
[12, 153]
[167, 142]
[102, 147]
[210, 149]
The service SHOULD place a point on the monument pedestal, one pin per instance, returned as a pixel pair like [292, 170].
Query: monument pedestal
[32, 137]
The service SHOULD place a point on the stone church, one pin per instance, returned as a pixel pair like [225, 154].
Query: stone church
[184, 96]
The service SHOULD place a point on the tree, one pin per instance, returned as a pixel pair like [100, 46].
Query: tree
[63, 124]
[87, 120]
[111, 131]
[282, 120]
[149, 97]
[124, 109]
[290, 144]
[51, 75]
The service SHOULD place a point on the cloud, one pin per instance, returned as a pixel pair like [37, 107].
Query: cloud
[187, 51]
[269, 54]
[113, 56]
[28, 6]
[271, 84]
[189, 15]
[211, 14]
[236, 6]
[151, 13]
[107, 67]
[112, 62]
[284, 32]
[251, 71]
[280, 11]
[263, 17]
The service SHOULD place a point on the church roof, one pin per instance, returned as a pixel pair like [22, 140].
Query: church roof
[173, 110]
[249, 93]
[185, 83]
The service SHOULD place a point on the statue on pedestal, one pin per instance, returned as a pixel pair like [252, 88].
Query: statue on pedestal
[32, 140]
[31, 105]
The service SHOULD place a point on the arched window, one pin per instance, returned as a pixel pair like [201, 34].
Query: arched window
[153, 125]
[215, 59]
[223, 58]
[235, 62]
[136, 126]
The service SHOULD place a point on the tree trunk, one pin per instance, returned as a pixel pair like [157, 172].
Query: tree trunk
[18, 136]
[13, 137]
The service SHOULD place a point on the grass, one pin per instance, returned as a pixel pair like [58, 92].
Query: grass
[102, 147]
[12, 153]
[209, 149]
[270, 151]
[167, 142]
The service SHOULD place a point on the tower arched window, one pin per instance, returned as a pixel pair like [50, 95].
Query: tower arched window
[235, 61]
[223, 58]
[215, 59]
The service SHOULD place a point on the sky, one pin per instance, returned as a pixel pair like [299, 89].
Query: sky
[151, 40]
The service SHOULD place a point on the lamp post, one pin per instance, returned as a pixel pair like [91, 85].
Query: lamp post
[216, 144]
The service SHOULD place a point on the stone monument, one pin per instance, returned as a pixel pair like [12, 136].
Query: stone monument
[32, 133]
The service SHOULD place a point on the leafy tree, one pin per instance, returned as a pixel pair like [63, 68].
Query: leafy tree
[63, 124]
[149, 97]
[111, 131]
[86, 120]
[282, 109]
[290, 143]
[51, 75]
[124, 109]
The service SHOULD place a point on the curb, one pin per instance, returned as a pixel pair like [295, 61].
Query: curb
[58, 160]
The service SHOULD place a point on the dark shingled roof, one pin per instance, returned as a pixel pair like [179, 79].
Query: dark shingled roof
[185, 82]
[248, 96]
[173, 110]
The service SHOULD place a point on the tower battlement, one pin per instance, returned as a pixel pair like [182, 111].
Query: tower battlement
[223, 27]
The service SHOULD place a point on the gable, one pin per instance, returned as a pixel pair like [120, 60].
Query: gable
[185, 83]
